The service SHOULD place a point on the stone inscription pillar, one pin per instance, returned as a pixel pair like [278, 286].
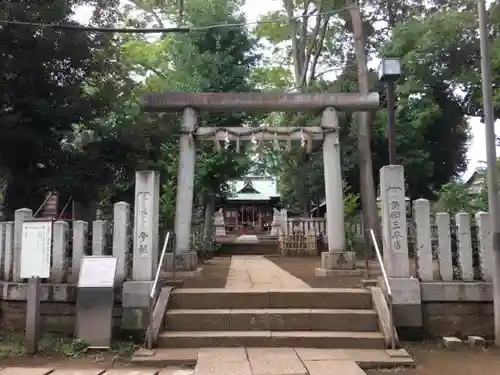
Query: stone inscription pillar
[395, 230]
[405, 289]
[146, 216]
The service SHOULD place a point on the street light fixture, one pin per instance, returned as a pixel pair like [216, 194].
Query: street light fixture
[389, 72]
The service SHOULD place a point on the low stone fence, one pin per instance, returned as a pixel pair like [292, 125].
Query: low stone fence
[454, 265]
[457, 309]
[450, 291]
[57, 307]
[70, 242]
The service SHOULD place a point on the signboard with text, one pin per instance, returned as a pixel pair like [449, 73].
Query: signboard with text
[36, 249]
[97, 272]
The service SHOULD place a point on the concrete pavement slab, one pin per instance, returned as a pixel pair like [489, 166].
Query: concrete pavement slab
[275, 361]
[333, 368]
[26, 370]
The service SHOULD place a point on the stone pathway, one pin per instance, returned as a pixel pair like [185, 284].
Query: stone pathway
[254, 361]
[255, 271]
[66, 371]
[268, 361]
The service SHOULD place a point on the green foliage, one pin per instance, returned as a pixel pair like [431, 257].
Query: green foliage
[438, 45]
[48, 85]
[12, 345]
[455, 197]
[214, 60]
[469, 197]
[351, 208]
[70, 100]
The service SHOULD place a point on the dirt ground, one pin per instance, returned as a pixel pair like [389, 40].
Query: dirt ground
[214, 274]
[60, 351]
[303, 268]
[431, 360]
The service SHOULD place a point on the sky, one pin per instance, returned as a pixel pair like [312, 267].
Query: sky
[476, 154]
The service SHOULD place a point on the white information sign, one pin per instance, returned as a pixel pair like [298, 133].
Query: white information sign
[97, 272]
[36, 249]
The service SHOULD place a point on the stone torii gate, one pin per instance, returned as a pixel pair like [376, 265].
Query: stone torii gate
[328, 132]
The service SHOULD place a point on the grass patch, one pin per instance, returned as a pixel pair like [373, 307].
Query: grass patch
[50, 345]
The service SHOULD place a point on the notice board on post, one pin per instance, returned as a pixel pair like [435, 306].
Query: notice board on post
[95, 299]
[36, 249]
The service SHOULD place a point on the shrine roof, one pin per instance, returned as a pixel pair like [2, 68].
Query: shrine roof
[254, 188]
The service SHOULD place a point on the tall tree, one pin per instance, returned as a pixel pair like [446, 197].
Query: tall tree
[420, 109]
[211, 60]
[368, 197]
[46, 87]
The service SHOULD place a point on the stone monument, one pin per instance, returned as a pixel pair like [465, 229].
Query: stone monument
[276, 222]
[405, 289]
[220, 227]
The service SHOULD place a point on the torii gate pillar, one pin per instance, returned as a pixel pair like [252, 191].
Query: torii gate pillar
[336, 256]
[186, 259]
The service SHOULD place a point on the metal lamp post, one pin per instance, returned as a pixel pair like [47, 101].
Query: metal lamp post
[389, 72]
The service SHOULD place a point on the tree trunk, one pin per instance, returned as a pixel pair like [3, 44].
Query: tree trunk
[368, 197]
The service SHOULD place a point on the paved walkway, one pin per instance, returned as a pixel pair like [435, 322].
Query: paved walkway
[255, 271]
[271, 361]
[254, 361]
[67, 371]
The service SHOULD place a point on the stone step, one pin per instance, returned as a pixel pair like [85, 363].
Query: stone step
[306, 339]
[313, 298]
[261, 248]
[365, 358]
[272, 320]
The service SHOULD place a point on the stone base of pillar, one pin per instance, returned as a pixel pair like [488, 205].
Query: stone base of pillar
[182, 274]
[406, 301]
[184, 262]
[220, 232]
[135, 305]
[333, 262]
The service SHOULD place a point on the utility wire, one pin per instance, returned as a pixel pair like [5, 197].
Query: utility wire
[70, 27]
[156, 30]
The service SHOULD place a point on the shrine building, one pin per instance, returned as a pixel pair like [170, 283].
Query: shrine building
[250, 208]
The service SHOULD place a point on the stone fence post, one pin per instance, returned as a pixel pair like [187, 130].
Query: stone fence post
[121, 243]
[485, 244]
[20, 216]
[99, 232]
[9, 251]
[464, 240]
[59, 251]
[80, 243]
[444, 246]
[422, 212]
